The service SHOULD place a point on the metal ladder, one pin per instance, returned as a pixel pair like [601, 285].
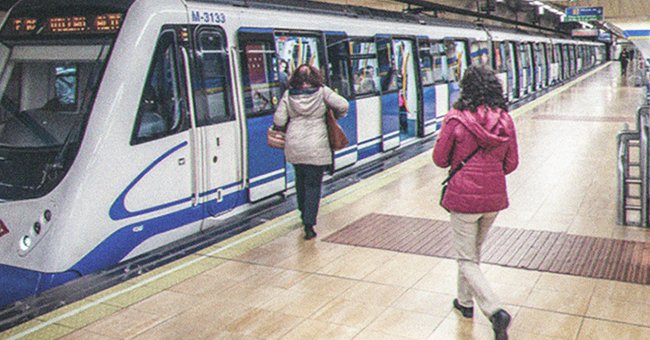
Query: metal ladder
[632, 172]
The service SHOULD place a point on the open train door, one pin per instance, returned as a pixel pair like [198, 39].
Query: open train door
[427, 51]
[405, 55]
[266, 170]
[390, 128]
[339, 77]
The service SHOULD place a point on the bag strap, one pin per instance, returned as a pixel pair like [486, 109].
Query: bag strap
[460, 166]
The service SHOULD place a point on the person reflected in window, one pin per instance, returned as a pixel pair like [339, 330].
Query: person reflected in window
[301, 112]
[368, 80]
[283, 76]
[478, 131]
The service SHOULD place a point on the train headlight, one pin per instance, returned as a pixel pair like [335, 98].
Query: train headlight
[25, 242]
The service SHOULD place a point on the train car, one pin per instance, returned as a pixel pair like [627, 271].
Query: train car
[126, 125]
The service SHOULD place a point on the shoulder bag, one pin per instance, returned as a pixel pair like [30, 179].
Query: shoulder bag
[338, 139]
[454, 172]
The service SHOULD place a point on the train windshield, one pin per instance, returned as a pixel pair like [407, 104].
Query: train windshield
[46, 92]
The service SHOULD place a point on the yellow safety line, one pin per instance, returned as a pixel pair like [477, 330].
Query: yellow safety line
[283, 220]
[280, 221]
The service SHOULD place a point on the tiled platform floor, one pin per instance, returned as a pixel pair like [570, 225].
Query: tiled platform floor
[269, 283]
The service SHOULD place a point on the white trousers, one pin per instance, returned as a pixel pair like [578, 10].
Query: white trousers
[470, 231]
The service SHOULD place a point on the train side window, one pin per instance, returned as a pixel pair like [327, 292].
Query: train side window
[338, 49]
[293, 51]
[211, 95]
[456, 52]
[426, 63]
[364, 67]
[479, 53]
[497, 60]
[387, 68]
[440, 62]
[261, 86]
[161, 106]
[525, 62]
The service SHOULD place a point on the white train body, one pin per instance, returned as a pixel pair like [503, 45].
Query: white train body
[158, 128]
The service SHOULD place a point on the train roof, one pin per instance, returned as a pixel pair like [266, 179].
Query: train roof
[40, 6]
[306, 6]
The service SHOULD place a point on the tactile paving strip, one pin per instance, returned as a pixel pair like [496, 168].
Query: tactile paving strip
[561, 253]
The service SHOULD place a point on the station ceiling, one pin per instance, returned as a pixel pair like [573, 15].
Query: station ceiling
[615, 11]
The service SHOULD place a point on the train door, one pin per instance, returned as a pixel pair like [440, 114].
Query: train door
[164, 134]
[367, 96]
[580, 58]
[566, 63]
[458, 62]
[217, 132]
[339, 79]
[390, 109]
[520, 81]
[537, 66]
[408, 89]
[543, 57]
[512, 70]
[441, 78]
[524, 65]
[428, 83]
[531, 67]
[574, 60]
[499, 65]
[261, 84]
[292, 50]
[559, 61]
[552, 64]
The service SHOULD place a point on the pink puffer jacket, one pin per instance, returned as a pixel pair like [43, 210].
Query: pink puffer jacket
[481, 185]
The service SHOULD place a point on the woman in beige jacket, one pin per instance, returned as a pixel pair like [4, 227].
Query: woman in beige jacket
[302, 111]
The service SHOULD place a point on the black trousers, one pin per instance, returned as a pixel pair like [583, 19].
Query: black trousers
[308, 186]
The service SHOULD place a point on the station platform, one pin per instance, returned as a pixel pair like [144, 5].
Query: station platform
[380, 267]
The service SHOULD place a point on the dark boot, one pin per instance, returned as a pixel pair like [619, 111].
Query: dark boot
[309, 232]
[500, 322]
[467, 312]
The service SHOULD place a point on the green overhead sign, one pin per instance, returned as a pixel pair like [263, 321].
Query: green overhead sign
[584, 14]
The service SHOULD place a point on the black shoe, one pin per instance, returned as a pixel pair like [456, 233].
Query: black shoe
[309, 232]
[467, 312]
[500, 322]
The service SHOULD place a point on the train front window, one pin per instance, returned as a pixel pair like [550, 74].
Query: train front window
[43, 89]
[45, 96]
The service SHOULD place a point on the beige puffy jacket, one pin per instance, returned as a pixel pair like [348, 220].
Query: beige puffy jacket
[306, 138]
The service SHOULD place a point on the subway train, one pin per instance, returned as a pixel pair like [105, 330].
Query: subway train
[126, 125]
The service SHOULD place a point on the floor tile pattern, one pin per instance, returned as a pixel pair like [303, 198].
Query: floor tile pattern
[555, 252]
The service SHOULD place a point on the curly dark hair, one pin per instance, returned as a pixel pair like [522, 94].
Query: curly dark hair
[480, 86]
[306, 74]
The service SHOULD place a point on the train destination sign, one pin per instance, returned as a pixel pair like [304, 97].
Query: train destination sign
[102, 23]
[584, 14]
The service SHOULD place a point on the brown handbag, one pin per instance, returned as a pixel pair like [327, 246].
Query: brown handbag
[338, 139]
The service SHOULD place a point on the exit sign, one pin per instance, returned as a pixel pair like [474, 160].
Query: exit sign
[584, 14]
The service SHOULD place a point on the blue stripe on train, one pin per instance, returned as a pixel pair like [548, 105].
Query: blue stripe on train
[20, 283]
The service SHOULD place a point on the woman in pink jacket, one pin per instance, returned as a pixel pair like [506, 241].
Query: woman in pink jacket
[478, 125]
